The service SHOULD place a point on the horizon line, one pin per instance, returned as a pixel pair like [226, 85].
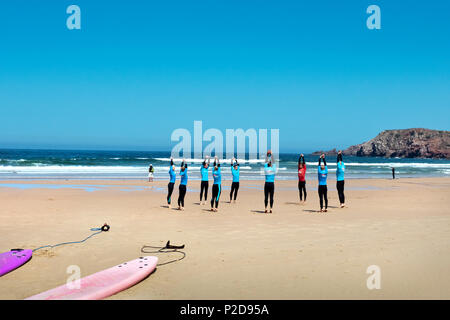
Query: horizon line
[120, 150]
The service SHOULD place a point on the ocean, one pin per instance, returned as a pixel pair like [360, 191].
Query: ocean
[75, 164]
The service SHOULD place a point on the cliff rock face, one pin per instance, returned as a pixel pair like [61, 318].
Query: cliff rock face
[406, 143]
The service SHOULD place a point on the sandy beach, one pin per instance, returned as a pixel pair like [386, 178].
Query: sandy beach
[402, 226]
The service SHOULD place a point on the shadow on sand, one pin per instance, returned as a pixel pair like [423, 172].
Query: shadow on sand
[258, 211]
[311, 211]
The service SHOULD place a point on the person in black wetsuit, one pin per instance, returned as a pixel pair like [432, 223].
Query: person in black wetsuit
[340, 172]
[235, 172]
[183, 184]
[217, 186]
[322, 172]
[204, 184]
[302, 178]
[171, 185]
[269, 185]
[393, 173]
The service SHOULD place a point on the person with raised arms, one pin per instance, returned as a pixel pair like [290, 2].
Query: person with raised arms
[322, 173]
[269, 185]
[340, 170]
[171, 185]
[183, 184]
[204, 184]
[302, 177]
[235, 172]
[217, 186]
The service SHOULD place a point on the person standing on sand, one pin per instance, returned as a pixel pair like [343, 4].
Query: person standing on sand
[302, 177]
[183, 184]
[217, 186]
[235, 171]
[322, 172]
[340, 170]
[150, 173]
[269, 186]
[171, 185]
[204, 184]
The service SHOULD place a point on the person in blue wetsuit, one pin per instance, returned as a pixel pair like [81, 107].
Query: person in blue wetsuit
[235, 171]
[172, 179]
[183, 184]
[340, 171]
[269, 185]
[322, 173]
[217, 186]
[204, 184]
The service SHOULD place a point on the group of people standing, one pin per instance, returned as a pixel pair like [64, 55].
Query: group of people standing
[323, 175]
[269, 185]
[204, 184]
[182, 189]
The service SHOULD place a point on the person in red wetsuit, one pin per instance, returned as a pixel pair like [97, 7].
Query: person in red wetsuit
[301, 177]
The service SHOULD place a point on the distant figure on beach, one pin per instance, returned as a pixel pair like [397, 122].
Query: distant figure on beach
[302, 177]
[204, 184]
[150, 173]
[183, 184]
[269, 186]
[235, 172]
[217, 186]
[322, 172]
[171, 185]
[393, 173]
[340, 170]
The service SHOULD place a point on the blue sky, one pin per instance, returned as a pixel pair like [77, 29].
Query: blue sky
[137, 70]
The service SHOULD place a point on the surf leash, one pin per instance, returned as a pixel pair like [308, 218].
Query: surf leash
[167, 249]
[104, 228]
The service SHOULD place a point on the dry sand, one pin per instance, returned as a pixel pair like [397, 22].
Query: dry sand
[402, 226]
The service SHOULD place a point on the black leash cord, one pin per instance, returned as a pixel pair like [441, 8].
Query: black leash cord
[104, 228]
[164, 250]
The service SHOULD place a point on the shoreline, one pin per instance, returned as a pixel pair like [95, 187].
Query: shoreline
[193, 186]
[192, 180]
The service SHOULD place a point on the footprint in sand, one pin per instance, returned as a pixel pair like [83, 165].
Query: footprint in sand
[45, 253]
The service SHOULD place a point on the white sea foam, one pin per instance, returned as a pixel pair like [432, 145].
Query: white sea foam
[388, 164]
[69, 169]
[212, 160]
[13, 160]
[249, 170]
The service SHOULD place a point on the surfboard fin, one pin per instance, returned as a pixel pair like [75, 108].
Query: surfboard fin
[169, 246]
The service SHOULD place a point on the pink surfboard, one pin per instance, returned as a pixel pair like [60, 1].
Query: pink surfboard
[104, 283]
[13, 259]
